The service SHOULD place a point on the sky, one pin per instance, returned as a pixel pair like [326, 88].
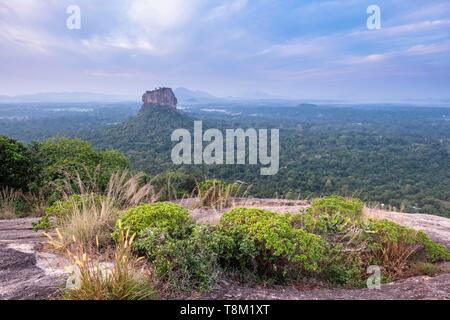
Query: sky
[297, 49]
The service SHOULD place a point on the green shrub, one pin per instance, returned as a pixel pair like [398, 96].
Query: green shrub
[353, 243]
[395, 247]
[168, 217]
[330, 216]
[265, 243]
[331, 205]
[344, 268]
[63, 208]
[434, 251]
[185, 264]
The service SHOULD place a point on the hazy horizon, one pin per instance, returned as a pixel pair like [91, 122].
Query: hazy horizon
[83, 97]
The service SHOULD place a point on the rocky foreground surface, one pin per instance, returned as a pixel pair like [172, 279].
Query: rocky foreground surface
[28, 271]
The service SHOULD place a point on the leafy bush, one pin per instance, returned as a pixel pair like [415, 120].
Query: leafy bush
[342, 267]
[183, 255]
[434, 251]
[18, 165]
[63, 157]
[331, 205]
[185, 264]
[395, 247]
[353, 242]
[331, 216]
[265, 243]
[168, 217]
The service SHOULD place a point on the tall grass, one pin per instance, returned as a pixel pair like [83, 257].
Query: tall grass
[124, 189]
[36, 203]
[94, 218]
[89, 223]
[9, 199]
[127, 191]
[217, 194]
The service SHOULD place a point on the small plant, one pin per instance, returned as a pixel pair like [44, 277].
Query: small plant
[265, 243]
[167, 216]
[123, 191]
[427, 268]
[115, 277]
[217, 194]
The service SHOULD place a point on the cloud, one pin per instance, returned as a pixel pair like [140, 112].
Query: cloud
[397, 30]
[22, 8]
[153, 17]
[109, 73]
[415, 50]
[227, 9]
[424, 49]
[300, 47]
[24, 37]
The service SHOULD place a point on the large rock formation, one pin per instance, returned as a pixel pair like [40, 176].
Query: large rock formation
[163, 97]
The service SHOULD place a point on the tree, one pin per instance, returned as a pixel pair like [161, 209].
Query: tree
[18, 167]
[63, 157]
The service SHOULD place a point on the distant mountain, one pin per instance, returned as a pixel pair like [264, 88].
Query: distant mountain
[67, 97]
[192, 96]
[258, 95]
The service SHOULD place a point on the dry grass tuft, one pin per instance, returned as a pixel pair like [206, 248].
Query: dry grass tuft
[37, 202]
[95, 218]
[91, 223]
[109, 276]
[8, 202]
[217, 194]
[127, 191]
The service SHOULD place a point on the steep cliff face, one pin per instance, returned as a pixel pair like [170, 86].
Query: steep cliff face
[159, 97]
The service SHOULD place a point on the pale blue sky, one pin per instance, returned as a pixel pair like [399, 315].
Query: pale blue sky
[303, 49]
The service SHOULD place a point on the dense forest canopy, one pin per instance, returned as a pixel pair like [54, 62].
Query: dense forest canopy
[395, 155]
